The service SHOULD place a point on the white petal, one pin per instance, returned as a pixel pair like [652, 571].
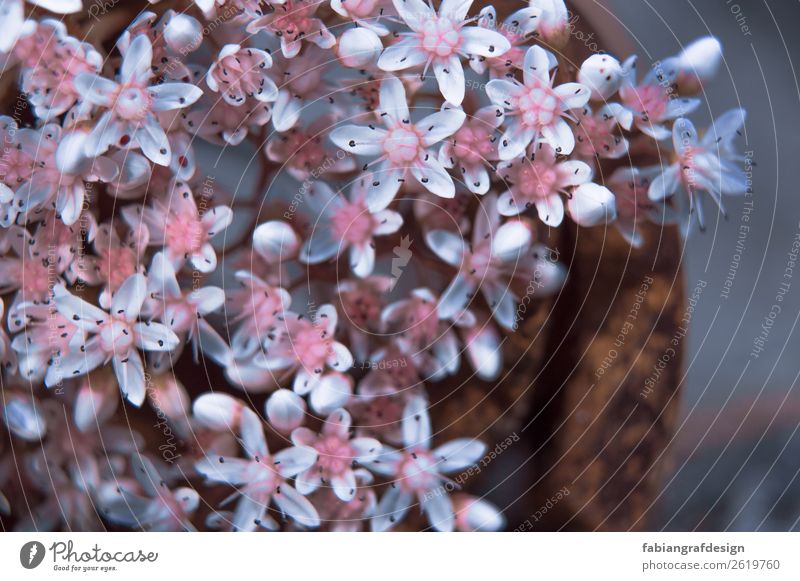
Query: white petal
[458, 454]
[402, 55]
[514, 141]
[440, 125]
[340, 357]
[447, 245]
[439, 509]
[358, 139]
[560, 137]
[130, 374]
[362, 259]
[510, 241]
[137, 60]
[382, 185]
[483, 42]
[684, 135]
[252, 432]
[414, 12]
[294, 460]
[665, 184]
[129, 297]
[434, 177]
[286, 111]
[155, 337]
[503, 304]
[450, 77]
[217, 411]
[536, 66]
[391, 509]
[416, 423]
[169, 96]
[388, 222]
[332, 392]
[154, 142]
[393, 98]
[484, 353]
[296, 506]
[500, 92]
[95, 89]
[573, 95]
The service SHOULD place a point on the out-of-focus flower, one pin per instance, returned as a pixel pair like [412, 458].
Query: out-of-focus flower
[241, 72]
[473, 147]
[293, 21]
[12, 16]
[418, 473]
[518, 27]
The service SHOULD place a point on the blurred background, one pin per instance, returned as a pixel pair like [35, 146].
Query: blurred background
[736, 458]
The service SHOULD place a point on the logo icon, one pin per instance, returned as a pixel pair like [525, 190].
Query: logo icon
[31, 554]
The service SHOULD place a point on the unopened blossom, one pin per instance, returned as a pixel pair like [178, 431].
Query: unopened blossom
[365, 13]
[261, 479]
[338, 452]
[346, 223]
[12, 16]
[239, 73]
[653, 102]
[285, 410]
[539, 181]
[130, 104]
[402, 148]
[294, 21]
[602, 73]
[246, 8]
[418, 474]
[115, 335]
[306, 151]
[518, 27]
[555, 20]
[535, 110]
[598, 134]
[440, 40]
[695, 64]
[181, 226]
[709, 164]
[486, 264]
[23, 416]
[473, 147]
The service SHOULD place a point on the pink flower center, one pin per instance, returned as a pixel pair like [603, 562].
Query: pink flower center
[538, 105]
[417, 472]
[536, 180]
[353, 224]
[335, 455]
[184, 234]
[35, 279]
[481, 265]
[116, 336]
[649, 100]
[311, 348]
[440, 37]
[472, 144]
[132, 103]
[403, 144]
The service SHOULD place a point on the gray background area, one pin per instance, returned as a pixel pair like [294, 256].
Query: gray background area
[735, 465]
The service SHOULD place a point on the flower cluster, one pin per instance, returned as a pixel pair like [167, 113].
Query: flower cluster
[395, 225]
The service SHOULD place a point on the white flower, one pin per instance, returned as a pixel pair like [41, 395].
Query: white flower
[441, 40]
[241, 72]
[540, 180]
[260, 478]
[346, 224]
[535, 109]
[114, 335]
[403, 147]
[131, 104]
[703, 165]
[417, 471]
[488, 263]
[602, 73]
[338, 453]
